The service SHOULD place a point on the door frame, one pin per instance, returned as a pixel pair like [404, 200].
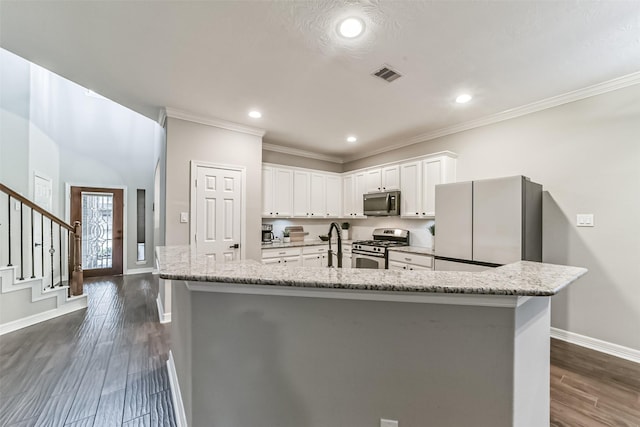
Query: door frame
[194, 164]
[125, 234]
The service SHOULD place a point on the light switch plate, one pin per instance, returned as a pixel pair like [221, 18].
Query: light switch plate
[184, 217]
[584, 220]
[388, 423]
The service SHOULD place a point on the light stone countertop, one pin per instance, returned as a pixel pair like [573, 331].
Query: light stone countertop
[521, 278]
[418, 250]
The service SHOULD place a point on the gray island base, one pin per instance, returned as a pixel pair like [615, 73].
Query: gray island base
[249, 352]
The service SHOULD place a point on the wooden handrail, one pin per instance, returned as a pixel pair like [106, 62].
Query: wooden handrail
[35, 207]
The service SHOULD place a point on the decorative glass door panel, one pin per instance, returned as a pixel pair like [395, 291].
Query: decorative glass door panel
[97, 230]
[99, 211]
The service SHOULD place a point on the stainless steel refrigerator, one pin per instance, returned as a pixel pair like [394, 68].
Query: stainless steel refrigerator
[486, 223]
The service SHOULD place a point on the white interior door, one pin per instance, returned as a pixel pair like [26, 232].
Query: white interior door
[218, 212]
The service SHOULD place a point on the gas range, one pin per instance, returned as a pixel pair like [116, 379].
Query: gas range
[383, 239]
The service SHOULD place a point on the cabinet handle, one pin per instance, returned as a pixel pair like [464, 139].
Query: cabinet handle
[384, 188]
[408, 259]
[423, 213]
[282, 253]
[276, 213]
[417, 213]
[405, 267]
[279, 261]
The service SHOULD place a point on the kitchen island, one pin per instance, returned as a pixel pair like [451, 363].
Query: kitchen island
[256, 345]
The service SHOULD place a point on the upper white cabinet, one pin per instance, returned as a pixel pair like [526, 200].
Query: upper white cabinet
[277, 191]
[334, 196]
[418, 184]
[411, 189]
[354, 186]
[385, 178]
[307, 193]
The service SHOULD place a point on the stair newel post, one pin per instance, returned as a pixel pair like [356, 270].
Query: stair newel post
[9, 229]
[76, 277]
[33, 250]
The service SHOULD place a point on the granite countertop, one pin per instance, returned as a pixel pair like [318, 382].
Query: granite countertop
[523, 278]
[317, 242]
[418, 250]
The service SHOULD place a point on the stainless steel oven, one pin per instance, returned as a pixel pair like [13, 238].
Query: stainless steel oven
[373, 253]
[360, 260]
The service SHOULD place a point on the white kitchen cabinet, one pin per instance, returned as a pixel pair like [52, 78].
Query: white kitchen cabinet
[315, 256]
[359, 189]
[334, 196]
[318, 195]
[285, 256]
[354, 186]
[277, 192]
[418, 181]
[409, 261]
[301, 199]
[438, 170]
[411, 189]
[312, 260]
[385, 178]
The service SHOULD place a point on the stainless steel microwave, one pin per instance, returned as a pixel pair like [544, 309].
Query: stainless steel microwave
[382, 204]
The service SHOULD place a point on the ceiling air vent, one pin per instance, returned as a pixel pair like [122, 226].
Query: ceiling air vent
[387, 74]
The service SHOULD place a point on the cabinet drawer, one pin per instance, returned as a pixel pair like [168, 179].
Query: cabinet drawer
[276, 253]
[315, 249]
[421, 260]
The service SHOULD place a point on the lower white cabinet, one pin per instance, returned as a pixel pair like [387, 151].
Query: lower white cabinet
[409, 261]
[285, 256]
[315, 256]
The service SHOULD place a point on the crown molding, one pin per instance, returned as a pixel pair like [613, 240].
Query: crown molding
[576, 95]
[209, 121]
[300, 153]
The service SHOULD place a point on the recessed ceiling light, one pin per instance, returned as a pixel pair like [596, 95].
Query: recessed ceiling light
[255, 114]
[352, 139]
[351, 27]
[463, 99]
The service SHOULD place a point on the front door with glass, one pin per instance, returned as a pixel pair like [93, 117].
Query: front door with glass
[100, 211]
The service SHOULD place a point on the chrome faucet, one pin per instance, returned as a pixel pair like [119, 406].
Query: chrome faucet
[337, 228]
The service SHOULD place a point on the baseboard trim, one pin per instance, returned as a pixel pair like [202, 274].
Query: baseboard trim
[176, 396]
[597, 345]
[77, 303]
[162, 316]
[138, 271]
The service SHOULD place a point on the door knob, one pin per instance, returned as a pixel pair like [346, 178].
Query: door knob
[236, 246]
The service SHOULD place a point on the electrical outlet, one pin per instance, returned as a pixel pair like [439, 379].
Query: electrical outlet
[388, 423]
[584, 220]
[184, 217]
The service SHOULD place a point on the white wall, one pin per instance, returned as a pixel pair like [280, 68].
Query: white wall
[187, 141]
[586, 154]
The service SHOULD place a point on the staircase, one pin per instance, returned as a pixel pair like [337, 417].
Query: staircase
[40, 272]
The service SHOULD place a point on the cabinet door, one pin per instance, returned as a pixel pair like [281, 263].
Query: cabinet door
[432, 175]
[271, 261]
[394, 265]
[417, 267]
[318, 195]
[267, 191]
[333, 196]
[348, 196]
[283, 192]
[291, 260]
[411, 189]
[301, 194]
[391, 178]
[374, 180]
[312, 260]
[359, 190]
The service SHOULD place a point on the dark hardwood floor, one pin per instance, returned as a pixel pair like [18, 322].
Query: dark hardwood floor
[106, 366]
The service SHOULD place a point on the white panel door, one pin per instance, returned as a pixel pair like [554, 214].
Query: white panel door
[218, 213]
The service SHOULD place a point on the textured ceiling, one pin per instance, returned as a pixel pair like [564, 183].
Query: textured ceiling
[221, 58]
